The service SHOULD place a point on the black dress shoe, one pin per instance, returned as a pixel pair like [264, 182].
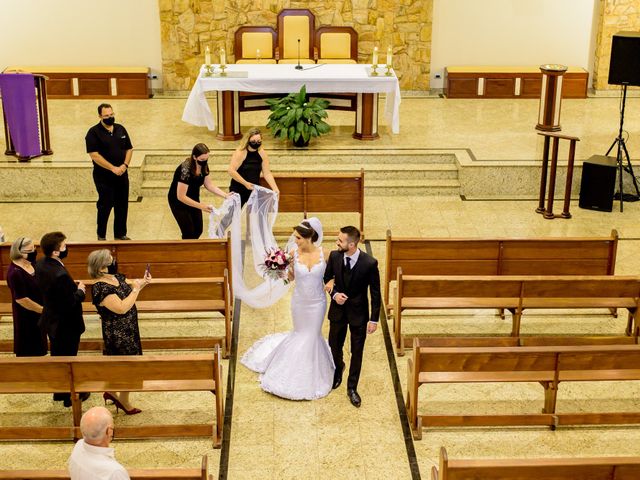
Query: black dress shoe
[337, 377]
[355, 399]
[84, 395]
[66, 402]
[124, 237]
[102, 239]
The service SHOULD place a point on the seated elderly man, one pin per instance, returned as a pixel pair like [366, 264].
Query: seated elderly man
[92, 458]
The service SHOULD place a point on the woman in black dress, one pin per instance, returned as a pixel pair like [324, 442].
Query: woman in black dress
[184, 192]
[115, 298]
[247, 162]
[29, 340]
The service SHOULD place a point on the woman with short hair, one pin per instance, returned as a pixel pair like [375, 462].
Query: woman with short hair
[114, 298]
[29, 340]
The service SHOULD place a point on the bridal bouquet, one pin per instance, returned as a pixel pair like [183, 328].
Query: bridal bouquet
[276, 264]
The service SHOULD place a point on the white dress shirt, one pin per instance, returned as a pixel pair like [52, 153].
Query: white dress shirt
[88, 462]
[354, 258]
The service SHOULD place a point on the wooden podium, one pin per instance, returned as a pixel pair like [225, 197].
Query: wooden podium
[41, 110]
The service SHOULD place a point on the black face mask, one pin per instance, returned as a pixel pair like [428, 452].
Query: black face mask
[112, 268]
[64, 254]
[255, 145]
[109, 121]
[202, 163]
[31, 256]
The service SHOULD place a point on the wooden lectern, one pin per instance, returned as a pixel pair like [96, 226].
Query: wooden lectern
[43, 122]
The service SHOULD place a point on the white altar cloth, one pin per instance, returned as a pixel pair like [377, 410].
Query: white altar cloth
[284, 78]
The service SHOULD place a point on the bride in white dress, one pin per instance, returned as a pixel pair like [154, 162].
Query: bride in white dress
[298, 365]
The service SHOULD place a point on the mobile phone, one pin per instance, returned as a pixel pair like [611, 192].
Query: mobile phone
[147, 271]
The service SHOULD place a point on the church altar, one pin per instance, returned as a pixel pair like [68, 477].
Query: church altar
[284, 79]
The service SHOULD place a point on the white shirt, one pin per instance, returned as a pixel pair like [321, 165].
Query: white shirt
[88, 462]
[354, 258]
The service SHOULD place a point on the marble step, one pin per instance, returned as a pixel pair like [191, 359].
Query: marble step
[372, 172]
[431, 187]
[310, 157]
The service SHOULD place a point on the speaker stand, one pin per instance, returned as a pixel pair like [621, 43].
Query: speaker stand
[622, 149]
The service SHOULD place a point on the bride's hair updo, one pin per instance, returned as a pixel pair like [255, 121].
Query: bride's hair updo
[306, 231]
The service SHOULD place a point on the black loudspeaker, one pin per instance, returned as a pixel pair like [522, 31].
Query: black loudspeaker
[598, 183]
[624, 67]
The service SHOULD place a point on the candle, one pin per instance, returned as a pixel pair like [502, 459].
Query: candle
[223, 57]
[258, 54]
[207, 56]
[374, 61]
[389, 56]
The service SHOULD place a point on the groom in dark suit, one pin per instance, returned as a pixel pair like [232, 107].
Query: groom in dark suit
[353, 273]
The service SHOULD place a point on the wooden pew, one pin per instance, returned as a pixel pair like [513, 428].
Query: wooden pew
[515, 293]
[140, 373]
[311, 193]
[160, 296]
[548, 366]
[496, 256]
[599, 468]
[167, 258]
[134, 473]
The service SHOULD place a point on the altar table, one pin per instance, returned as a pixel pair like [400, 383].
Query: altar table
[284, 79]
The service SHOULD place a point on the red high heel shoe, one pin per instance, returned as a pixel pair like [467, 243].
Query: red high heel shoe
[118, 404]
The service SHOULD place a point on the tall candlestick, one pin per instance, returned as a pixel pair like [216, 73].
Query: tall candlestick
[207, 56]
[223, 57]
[258, 54]
[374, 60]
[389, 55]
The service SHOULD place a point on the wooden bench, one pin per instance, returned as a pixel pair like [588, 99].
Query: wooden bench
[134, 473]
[141, 373]
[93, 82]
[548, 366]
[168, 258]
[514, 293]
[499, 256]
[508, 82]
[311, 193]
[162, 295]
[599, 468]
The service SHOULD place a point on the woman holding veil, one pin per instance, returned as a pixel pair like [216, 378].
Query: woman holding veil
[298, 365]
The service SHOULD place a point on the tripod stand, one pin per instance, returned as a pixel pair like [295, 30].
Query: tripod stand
[622, 148]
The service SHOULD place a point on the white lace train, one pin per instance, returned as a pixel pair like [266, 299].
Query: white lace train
[297, 365]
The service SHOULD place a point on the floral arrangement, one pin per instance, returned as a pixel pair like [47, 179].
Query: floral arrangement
[276, 264]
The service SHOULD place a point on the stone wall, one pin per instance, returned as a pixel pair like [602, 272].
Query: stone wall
[188, 26]
[615, 16]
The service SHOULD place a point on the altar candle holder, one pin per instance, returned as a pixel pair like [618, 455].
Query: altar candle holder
[222, 70]
[388, 73]
[374, 62]
[208, 70]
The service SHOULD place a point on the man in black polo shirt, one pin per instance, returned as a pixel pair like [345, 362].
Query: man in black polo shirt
[110, 149]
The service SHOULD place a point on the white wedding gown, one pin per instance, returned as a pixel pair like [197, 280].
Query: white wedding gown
[297, 365]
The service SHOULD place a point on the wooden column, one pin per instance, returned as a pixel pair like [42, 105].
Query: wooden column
[550, 98]
[548, 211]
[228, 116]
[366, 117]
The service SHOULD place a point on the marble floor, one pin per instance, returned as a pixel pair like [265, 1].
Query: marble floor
[272, 438]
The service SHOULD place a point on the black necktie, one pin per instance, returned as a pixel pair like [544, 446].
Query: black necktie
[347, 271]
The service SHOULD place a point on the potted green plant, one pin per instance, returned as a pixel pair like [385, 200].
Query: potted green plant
[297, 118]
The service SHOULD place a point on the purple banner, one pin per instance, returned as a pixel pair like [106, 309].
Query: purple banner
[19, 105]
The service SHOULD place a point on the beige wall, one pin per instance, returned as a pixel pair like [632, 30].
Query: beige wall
[615, 16]
[511, 32]
[80, 32]
[188, 26]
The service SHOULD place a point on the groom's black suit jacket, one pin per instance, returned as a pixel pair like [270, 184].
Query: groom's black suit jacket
[364, 275]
